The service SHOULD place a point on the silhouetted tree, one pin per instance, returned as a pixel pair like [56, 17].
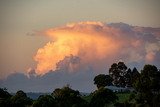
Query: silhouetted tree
[102, 97]
[102, 80]
[4, 98]
[44, 101]
[147, 86]
[4, 93]
[135, 75]
[20, 100]
[128, 78]
[117, 72]
[67, 97]
[148, 79]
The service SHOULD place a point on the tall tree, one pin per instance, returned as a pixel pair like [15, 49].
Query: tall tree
[102, 80]
[117, 72]
[128, 78]
[135, 75]
[149, 70]
[131, 76]
[147, 86]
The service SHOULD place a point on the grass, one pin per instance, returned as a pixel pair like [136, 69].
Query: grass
[122, 97]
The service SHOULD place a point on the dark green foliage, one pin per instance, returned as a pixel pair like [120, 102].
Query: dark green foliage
[102, 97]
[134, 75]
[122, 76]
[131, 76]
[102, 80]
[4, 93]
[117, 72]
[143, 98]
[20, 100]
[67, 97]
[142, 84]
[44, 101]
[156, 100]
[148, 80]
[87, 97]
[156, 82]
[125, 104]
[149, 70]
[122, 97]
[4, 98]
[128, 78]
[147, 86]
[132, 96]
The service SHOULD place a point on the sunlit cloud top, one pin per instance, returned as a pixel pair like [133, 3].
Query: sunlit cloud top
[97, 44]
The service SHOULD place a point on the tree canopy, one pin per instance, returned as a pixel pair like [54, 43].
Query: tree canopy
[117, 72]
[20, 99]
[148, 86]
[45, 101]
[102, 80]
[4, 97]
[102, 97]
[67, 97]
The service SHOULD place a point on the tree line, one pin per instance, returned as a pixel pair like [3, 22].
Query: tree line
[146, 93]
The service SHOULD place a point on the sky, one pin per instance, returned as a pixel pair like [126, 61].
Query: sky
[24, 27]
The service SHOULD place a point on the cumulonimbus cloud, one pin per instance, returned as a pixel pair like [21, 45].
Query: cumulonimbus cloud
[97, 44]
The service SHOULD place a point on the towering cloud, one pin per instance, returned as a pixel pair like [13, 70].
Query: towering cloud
[96, 44]
[78, 52]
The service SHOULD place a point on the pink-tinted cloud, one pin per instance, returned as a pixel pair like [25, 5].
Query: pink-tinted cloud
[97, 45]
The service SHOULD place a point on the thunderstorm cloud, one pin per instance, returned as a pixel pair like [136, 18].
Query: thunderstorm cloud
[77, 52]
[98, 44]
